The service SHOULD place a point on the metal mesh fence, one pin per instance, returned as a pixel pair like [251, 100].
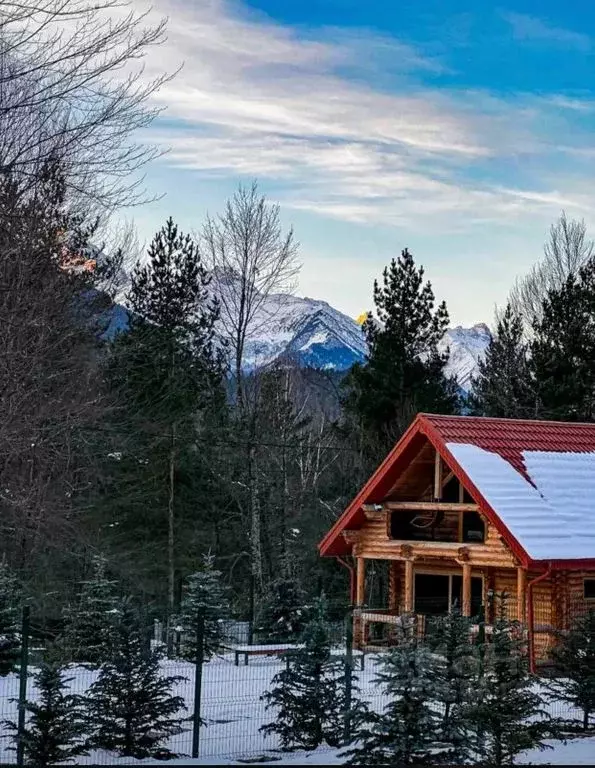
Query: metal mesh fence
[233, 682]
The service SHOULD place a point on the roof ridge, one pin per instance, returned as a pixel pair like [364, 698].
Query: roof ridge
[509, 420]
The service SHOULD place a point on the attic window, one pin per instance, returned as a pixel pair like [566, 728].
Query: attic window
[589, 589]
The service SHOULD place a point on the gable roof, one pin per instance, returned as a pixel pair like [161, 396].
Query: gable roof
[534, 480]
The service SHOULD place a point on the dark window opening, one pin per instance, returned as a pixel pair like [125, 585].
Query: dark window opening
[473, 528]
[432, 594]
[408, 525]
[437, 594]
[589, 589]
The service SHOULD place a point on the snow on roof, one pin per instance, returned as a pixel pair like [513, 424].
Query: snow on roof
[554, 519]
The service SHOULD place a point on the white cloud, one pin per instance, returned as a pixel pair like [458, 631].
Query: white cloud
[532, 28]
[305, 110]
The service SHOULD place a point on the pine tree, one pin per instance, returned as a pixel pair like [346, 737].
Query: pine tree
[404, 373]
[56, 730]
[573, 656]
[407, 731]
[89, 622]
[165, 375]
[508, 716]
[563, 350]
[204, 592]
[131, 708]
[9, 620]
[503, 387]
[307, 696]
[457, 670]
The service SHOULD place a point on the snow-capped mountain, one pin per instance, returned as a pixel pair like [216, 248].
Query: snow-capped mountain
[466, 346]
[317, 334]
[308, 330]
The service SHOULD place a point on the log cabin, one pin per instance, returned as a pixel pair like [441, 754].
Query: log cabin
[464, 508]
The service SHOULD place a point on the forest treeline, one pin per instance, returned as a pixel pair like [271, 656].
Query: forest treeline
[153, 448]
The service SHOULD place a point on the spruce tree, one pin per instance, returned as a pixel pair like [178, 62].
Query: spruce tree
[89, 622]
[563, 350]
[9, 620]
[404, 373]
[457, 670]
[573, 656]
[206, 593]
[503, 387]
[407, 731]
[165, 375]
[55, 732]
[508, 716]
[131, 708]
[307, 697]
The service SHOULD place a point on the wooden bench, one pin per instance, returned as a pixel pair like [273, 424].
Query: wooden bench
[279, 650]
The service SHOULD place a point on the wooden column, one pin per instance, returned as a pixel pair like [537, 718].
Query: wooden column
[521, 594]
[437, 477]
[460, 520]
[393, 586]
[408, 606]
[466, 589]
[360, 591]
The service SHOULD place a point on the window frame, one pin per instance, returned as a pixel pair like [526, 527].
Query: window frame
[585, 580]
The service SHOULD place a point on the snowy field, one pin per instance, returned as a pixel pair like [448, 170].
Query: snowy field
[233, 711]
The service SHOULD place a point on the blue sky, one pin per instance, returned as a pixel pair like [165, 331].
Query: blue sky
[458, 129]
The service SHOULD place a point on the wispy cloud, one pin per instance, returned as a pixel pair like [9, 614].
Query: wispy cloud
[526, 27]
[304, 110]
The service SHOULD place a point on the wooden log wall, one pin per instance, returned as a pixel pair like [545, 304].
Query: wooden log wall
[372, 541]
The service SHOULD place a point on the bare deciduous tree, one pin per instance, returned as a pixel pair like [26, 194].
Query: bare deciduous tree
[252, 260]
[72, 86]
[567, 249]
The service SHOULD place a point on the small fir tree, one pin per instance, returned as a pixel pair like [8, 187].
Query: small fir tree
[204, 592]
[407, 731]
[89, 622]
[503, 386]
[449, 637]
[508, 716]
[307, 696]
[56, 729]
[574, 660]
[9, 620]
[131, 708]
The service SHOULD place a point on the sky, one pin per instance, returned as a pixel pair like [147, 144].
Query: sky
[459, 130]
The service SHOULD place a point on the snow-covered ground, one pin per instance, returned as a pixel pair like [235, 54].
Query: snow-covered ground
[233, 710]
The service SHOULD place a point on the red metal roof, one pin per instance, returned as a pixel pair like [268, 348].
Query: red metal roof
[507, 437]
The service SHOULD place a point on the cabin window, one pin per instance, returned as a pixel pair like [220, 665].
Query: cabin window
[589, 589]
[473, 528]
[437, 594]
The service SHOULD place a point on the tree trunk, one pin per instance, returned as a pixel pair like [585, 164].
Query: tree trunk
[255, 522]
[171, 570]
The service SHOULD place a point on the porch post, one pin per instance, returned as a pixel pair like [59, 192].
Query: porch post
[393, 586]
[361, 582]
[521, 594]
[408, 586]
[466, 589]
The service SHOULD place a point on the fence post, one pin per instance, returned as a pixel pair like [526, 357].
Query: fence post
[348, 677]
[200, 648]
[23, 673]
